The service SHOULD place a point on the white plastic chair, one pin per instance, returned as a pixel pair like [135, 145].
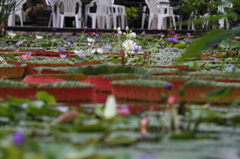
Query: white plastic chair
[158, 14]
[166, 4]
[69, 8]
[221, 9]
[118, 13]
[18, 11]
[193, 17]
[101, 15]
[51, 4]
[144, 15]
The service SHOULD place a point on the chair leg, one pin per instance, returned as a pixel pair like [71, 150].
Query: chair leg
[94, 19]
[149, 22]
[221, 23]
[21, 20]
[61, 21]
[227, 25]
[98, 21]
[164, 23]
[115, 21]
[180, 22]
[122, 21]
[50, 20]
[58, 20]
[103, 22]
[160, 22]
[85, 20]
[143, 20]
[10, 20]
[54, 19]
[76, 22]
[107, 22]
[125, 18]
[174, 22]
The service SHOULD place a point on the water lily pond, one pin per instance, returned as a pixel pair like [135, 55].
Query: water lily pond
[119, 95]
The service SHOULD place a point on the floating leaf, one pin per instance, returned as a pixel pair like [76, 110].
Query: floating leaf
[224, 44]
[121, 140]
[46, 97]
[183, 136]
[67, 151]
[181, 45]
[17, 100]
[236, 102]
[203, 43]
[218, 93]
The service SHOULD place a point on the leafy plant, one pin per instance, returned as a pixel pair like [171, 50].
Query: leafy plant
[132, 12]
[7, 8]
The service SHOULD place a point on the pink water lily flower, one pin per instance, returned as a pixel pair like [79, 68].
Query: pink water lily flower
[172, 100]
[143, 131]
[144, 122]
[123, 111]
[25, 57]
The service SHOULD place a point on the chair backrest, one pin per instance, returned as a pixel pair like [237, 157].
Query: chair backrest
[103, 7]
[70, 6]
[153, 6]
[50, 2]
[225, 4]
[19, 5]
[163, 2]
[111, 2]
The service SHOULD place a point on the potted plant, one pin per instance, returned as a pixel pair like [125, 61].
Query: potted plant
[7, 8]
[33, 12]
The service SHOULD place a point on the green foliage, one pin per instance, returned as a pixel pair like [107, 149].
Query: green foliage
[46, 97]
[207, 41]
[12, 84]
[65, 84]
[121, 140]
[7, 8]
[218, 93]
[181, 45]
[132, 12]
[183, 136]
[141, 82]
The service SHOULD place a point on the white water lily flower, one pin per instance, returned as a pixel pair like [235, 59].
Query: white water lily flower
[110, 107]
[39, 36]
[77, 51]
[132, 35]
[91, 40]
[99, 51]
[128, 44]
[12, 35]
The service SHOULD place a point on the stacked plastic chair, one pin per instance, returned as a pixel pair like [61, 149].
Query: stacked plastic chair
[51, 4]
[18, 11]
[69, 8]
[221, 9]
[118, 13]
[102, 14]
[158, 14]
